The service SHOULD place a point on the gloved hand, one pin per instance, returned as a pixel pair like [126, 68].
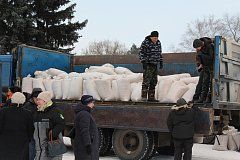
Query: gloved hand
[200, 67]
[88, 149]
[161, 66]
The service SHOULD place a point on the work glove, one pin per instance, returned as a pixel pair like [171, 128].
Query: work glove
[89, 149]
[161, 66]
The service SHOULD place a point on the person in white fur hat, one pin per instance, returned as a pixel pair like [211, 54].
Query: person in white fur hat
[48, 118]
[16, 129]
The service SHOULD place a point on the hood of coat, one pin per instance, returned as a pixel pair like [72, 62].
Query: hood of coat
[180, 109]
[80, 107]
[150, 41]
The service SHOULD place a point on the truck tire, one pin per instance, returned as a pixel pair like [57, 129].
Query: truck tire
[104, 141]
[130, 144]
[151, 145]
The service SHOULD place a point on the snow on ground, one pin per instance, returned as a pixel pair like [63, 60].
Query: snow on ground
[200, 152]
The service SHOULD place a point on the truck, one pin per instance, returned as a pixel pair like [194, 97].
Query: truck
[134, 130]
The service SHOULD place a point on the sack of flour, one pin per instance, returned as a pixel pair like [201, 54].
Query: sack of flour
[124, 89]
[27, 84]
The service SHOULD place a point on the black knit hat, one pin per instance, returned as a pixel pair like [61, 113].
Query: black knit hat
[35, 92]
[154, 34]
[197, 43]
[181, 102]
[86, 99]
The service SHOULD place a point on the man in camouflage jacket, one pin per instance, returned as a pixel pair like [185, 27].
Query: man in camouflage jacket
[150, 55]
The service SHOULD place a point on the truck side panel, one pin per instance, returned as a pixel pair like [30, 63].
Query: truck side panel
[6, 75]
[227, 83]
[173, 63]
[32, 59]
[139, 116]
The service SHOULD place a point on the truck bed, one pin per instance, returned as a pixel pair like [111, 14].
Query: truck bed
[150, 116]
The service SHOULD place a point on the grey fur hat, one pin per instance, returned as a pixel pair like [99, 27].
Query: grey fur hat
[18, 98]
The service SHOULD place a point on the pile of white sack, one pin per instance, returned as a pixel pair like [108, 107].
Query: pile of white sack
[229, 140]
[109, 84]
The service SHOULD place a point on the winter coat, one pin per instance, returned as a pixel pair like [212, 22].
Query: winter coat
[16, 131]
[86, 134]
[150, 52]
[205, 55]
[181, 122]
[44, 121]
[30, 106]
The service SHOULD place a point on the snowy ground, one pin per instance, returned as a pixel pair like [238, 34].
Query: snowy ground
[200, 152]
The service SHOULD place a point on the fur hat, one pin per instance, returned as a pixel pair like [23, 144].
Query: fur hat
[86, 99]
[197, 43]
[154, 34]
[18, 98]
[46, 96]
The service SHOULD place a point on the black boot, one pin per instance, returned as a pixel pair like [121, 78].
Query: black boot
[202, 98]
[144, 95]
[209, 98]
[151, 96]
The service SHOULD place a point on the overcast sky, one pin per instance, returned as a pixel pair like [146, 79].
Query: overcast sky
[129, 21]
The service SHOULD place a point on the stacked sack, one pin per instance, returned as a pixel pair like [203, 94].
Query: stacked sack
[108, 83]
[229, 140]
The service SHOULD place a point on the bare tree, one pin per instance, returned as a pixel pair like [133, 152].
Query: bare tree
[105, 47]
[207, 27]
[232, 24]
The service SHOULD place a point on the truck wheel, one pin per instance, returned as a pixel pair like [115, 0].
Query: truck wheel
[104, 141]
[130, 144]
[151, 145]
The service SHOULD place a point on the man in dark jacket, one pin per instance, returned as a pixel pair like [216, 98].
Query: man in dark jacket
[150, 55]
[16, 129]
[86, 137]
[31, 106]
[205, 50]
[181, 125]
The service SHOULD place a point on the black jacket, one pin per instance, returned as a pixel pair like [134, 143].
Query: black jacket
[30, 106]
[86, 134]
[16, 131]
[206, 54]
[181, 122]
[55, 117]
[150, 52]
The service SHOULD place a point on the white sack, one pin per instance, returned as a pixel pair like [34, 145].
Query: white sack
[27, 84]
[183, 75]
[38, 83]
[62, 75]
[108, 65]
[74, 74]
[76, 88]
[136, 92]
[176, 91]
[41, 74]
[89, 88]
[122, 70]
[54, 72]
[163, 87]
[173, 77]
[93, 75]
[135, 78]
[231, 143]
[189, 80]
[104, 88]
[48, 86]
[65, 87]
[101, 69]
[236, 138]
[57, 88]
[124, 89]
[223, 140]
[188, 96]
[115, 90]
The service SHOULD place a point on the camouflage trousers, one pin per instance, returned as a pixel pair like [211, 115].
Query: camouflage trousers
[203, 85]
[149, 76]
